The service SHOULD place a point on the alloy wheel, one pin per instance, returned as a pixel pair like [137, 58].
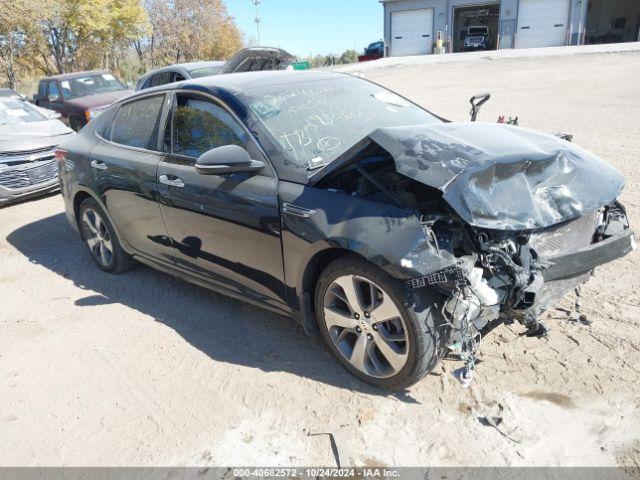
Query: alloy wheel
[366, 326]
[97, 237]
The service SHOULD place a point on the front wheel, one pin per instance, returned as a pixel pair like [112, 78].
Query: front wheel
[376, 328]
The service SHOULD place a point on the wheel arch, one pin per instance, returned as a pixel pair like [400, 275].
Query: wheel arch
[313, 268]
[80, 196]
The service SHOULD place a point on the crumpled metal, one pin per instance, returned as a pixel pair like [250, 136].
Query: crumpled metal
[502, 177]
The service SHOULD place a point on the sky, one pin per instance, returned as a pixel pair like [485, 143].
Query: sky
[307, 27]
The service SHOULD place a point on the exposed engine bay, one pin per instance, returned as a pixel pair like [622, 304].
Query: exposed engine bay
[495, 275]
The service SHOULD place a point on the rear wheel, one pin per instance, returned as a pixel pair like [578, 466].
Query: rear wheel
[99, 236]
[374, 327]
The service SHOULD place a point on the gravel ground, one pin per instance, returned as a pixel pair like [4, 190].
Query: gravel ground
[143, 369]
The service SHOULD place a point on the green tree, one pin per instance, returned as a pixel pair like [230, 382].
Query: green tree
[16, 26]
[349, 56]
[186, 30]
[85, 33]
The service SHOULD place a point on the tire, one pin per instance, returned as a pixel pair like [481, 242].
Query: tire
[100, 238]
[395, 353]
[75, 124]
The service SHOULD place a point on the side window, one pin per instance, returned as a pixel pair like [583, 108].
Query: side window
[102, 124]
[136, 123]
[160, 79]
[178, 77]
[200, 125]
[54, 92]
[42, 91]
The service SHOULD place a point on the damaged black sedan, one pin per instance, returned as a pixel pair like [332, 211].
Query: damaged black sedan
[393, 233]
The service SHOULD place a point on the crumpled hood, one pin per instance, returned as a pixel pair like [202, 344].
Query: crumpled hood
[500, 176]
[32, 135]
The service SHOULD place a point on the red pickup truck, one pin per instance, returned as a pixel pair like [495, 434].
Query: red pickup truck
[80, 96]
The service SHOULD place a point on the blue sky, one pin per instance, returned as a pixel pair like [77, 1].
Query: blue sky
[305, 27]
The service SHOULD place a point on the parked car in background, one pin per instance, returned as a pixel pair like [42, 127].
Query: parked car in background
[28, 139]
[478, 38]
[255, 59]
[178, 72]
[9, 93]
[79, 97]
[375, 48]
[394, 233]
[246, 60]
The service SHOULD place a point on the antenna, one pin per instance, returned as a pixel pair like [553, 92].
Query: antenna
[257, 19]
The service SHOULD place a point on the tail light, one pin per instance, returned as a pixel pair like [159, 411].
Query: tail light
[60, 155]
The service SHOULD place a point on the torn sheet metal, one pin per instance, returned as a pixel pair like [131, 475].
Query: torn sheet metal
[502, 177]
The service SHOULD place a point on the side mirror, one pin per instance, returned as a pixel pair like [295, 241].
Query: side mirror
[227, 159]
[476, 102]
[53, 97]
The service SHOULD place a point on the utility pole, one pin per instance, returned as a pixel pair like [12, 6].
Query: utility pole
[257, 19]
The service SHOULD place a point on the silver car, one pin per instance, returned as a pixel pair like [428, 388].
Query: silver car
[28, 139]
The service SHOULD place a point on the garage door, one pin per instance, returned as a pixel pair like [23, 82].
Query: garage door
[411, 32]
[542, 23]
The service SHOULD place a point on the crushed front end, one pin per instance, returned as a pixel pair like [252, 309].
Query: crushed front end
[511, 220]
[515, 276]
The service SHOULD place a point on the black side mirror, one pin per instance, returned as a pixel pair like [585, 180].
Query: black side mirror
[227, 159]
[476, 102]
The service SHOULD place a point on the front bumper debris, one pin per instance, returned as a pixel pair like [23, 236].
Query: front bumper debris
[583, 261]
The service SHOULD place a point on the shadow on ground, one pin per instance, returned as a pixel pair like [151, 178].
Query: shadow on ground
[225, 329]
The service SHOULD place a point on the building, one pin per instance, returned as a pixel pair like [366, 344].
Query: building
[411, 26]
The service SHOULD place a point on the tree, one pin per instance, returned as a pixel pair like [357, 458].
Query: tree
[349, 56]
[16, 24]
[86, 33]
[186, 30]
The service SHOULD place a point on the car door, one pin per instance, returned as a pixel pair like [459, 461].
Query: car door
[223, 227]
[124, 164]
[52, 98]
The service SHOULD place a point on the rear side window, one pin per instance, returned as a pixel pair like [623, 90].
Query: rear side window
[136, 123]
[200, 125]
[159, 79]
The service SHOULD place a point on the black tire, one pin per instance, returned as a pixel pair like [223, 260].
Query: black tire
[426, 329]
[119, 260]
[75, 123]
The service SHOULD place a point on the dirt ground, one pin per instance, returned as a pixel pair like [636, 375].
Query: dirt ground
[143, 369]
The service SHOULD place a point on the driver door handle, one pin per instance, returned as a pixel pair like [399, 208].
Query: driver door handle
[173, 182]
[98, 165]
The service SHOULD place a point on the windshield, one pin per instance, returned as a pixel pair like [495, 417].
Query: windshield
[477, 31]
[90, 85]
[14, 111]
[205, 71]
[315, 122]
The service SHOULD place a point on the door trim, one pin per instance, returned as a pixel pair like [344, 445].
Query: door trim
[193, 277]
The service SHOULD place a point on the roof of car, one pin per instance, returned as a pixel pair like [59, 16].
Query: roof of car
[8, 92]
[246, 81]
[67, 76]
[185, 66]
